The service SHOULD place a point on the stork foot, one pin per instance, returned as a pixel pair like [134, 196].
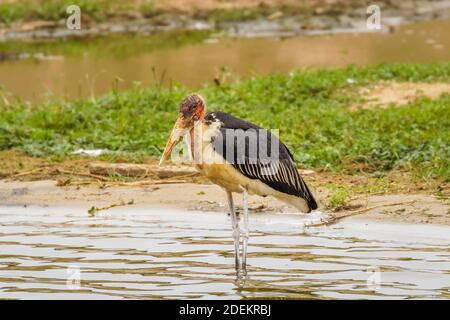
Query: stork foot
[241, 277]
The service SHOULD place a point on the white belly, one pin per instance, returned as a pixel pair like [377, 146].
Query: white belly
[229, 178]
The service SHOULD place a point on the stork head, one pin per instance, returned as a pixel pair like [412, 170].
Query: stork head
[192, 109]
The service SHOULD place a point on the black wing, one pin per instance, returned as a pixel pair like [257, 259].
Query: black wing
[258, 154]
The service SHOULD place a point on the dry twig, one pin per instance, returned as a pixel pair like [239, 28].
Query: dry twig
[25, 173]
[93, 210]
[144, 183]
[335, 219]
[84, 175]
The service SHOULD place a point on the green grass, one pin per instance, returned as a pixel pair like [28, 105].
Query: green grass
[310, 108]
[339, 196]
[52, 10]
[100, 10]
[148, 9]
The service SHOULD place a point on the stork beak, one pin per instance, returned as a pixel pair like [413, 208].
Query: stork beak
[176, 136]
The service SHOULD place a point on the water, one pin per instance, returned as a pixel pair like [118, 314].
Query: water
[159, 254]
[89, 74]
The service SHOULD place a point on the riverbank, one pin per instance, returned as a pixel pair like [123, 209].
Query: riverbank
[33, 20]
[339, 120]
[396, 197]
[413, 208]
[370, 141]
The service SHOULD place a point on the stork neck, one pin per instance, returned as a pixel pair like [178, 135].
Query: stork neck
[196, 134]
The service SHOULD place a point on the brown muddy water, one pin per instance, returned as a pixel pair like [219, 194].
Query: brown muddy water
[195, 64]
[160, 254]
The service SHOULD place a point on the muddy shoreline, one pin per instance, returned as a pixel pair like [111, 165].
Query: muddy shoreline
[87, 182]
[398, 208]
[329, 19]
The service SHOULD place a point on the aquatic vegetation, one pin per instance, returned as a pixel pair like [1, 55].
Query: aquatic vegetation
[310, 108]
[101, 47]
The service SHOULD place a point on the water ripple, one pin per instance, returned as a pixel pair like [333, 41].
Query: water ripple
[160, 255]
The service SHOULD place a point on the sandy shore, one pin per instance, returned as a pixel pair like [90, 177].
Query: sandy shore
[27, 181]
[408, 208]
[259, 18]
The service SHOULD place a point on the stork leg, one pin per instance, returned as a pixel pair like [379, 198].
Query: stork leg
[236, 233]
[245, 231]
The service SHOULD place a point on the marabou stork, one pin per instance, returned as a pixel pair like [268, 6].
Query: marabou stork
[223, 150]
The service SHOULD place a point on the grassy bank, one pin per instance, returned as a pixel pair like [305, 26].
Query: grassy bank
[310, 108]
[215, 10]
[101, 10]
